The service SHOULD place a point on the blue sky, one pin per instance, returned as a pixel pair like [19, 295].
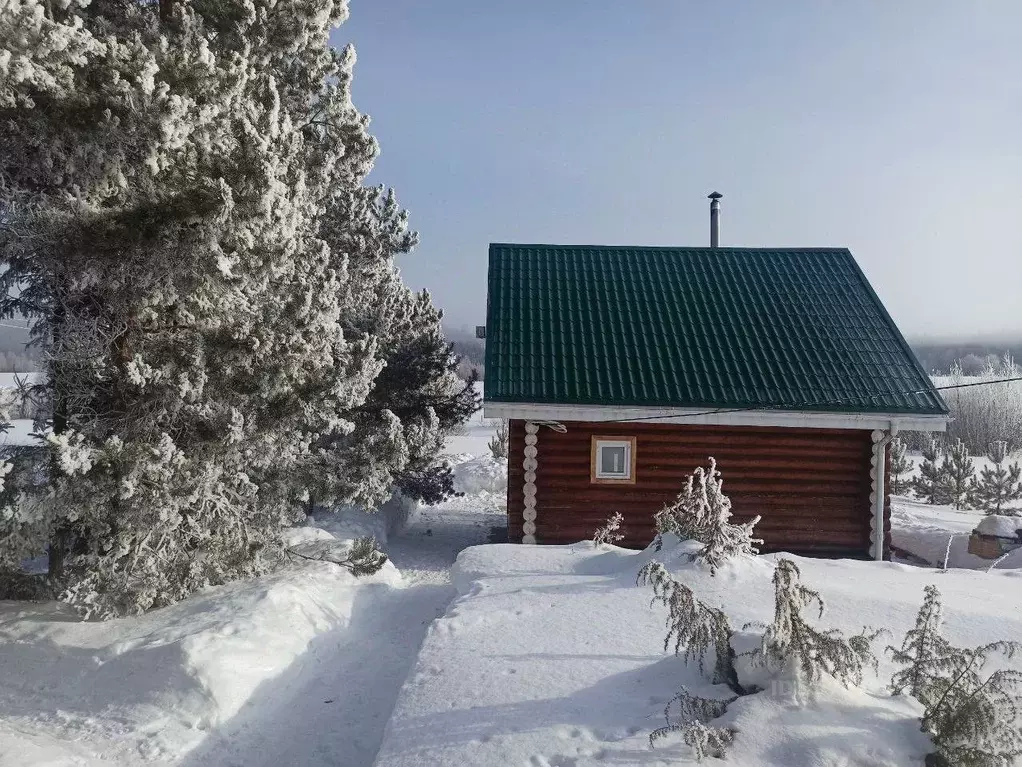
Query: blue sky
[892, 128]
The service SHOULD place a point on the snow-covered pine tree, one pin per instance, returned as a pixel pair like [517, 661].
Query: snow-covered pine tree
[396, 436]
[702, 512]
[802, 653]
[998, 484]
[165, 177]
[900, 466]
[421, 386]
[974, 721]
[929, 486]
[957, 475]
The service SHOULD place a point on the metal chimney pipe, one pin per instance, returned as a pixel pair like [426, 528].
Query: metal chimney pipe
[714, 198]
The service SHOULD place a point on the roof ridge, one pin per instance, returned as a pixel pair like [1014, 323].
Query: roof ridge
[771, 249]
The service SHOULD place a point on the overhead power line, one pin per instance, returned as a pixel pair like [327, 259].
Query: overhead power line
[822, 403]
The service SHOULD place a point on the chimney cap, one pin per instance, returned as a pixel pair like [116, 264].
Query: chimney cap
[714, 196]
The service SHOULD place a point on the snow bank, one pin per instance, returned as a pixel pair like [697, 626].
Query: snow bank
[923, 531]
[1001, 526]
[152, 687]
[553, 656]
[348, 522]
[474, 475]
[850, 728]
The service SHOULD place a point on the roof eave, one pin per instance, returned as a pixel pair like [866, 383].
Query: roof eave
[795, 419]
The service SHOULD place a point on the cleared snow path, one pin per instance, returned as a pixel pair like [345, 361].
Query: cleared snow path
[332, 706]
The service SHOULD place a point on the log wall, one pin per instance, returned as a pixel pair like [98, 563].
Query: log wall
[810, 486]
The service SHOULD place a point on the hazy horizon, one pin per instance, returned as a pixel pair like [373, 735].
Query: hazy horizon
[890, 129]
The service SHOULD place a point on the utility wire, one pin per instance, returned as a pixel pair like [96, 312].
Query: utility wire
[977, 383]
[822, 403]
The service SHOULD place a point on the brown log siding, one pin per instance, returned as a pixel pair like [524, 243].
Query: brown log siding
[810, 486]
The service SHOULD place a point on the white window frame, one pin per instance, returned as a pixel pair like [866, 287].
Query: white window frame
[596, 474]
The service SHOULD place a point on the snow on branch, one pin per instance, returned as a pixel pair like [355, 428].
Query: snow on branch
[974, 720]
[702, 512]
[609, 533]
[801, 653]
[695, 628]
[362, 558]
[692, 718]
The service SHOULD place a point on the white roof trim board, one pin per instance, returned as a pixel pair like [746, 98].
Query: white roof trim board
[794, 419]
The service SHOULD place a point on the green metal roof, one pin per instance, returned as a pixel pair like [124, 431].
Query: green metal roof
[789, 328]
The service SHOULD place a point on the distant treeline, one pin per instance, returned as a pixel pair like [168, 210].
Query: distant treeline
[936, 357]
[972, 358]
[470, 349]
[14, 357]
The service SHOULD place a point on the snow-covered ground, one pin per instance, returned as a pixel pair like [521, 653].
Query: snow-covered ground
[546, 657]
[331, 706]
[154, 687]
[19, 433]
[924, 531]
[552, 657]
[298, 668]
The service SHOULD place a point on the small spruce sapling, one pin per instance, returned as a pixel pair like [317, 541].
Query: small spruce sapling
[973, 721]
[498, 443]
[702, 512]
[922, 648]
[957, 475]
[691, 717]
[791, 646]
[694, 627]
[900, 467]
[610, 532]
[929, 486]
[998, 484]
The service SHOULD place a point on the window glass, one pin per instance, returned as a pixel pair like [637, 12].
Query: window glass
[613, 460]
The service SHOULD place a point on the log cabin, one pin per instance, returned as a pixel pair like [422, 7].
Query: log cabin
[621, 369]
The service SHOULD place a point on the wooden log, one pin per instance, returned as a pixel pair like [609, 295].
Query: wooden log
[811, 486]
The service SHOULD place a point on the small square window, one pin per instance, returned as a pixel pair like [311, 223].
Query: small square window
[613, 460]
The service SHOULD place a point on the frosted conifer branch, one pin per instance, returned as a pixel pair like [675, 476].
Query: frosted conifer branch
[363, 558]
[973, 720]
[792, 645]
[702, 512]
[691, 718]
[609, 532]
[695, 628]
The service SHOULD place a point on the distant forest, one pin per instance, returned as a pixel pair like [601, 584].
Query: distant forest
[936, 357]
[470, 350]
[974, 358]
[14, 357]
